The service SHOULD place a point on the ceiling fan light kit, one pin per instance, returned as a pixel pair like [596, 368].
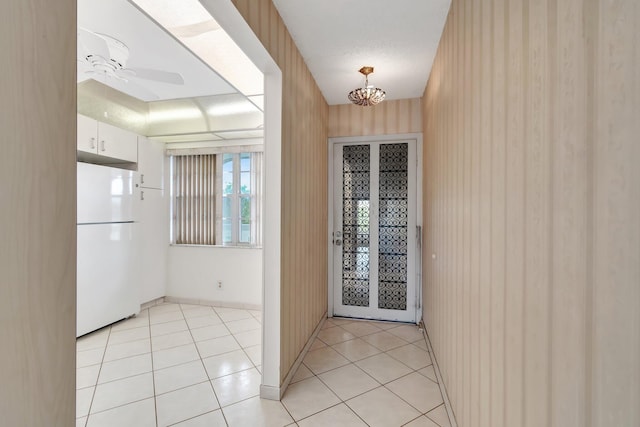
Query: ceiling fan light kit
[368, 94]
[107, 56]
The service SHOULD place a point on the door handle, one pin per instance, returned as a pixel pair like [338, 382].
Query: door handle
[93, 143]
[337, 238]
[103, 146]
[141, 195]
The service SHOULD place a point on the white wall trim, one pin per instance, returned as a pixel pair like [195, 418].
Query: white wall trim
[330, 147]
[152, 303]
[300, 358]
[436, 368]
[276, 393]
[269, 392]
[234, 24]
[373, 138]
[272, 222]
[212, 303]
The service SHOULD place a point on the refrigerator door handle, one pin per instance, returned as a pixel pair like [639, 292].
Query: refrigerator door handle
[141, 195]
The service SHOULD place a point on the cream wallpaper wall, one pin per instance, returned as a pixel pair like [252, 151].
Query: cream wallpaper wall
[532, 211]
[38, 213]
[388, 117]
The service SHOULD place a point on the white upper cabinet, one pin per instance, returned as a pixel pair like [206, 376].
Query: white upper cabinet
[87, 135]
[150, 163]
[101, 141]
[117, 143]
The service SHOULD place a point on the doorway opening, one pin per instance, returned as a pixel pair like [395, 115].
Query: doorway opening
[269, 287]
[374, 228]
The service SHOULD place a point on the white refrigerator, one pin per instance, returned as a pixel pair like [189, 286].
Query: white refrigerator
[106, 273]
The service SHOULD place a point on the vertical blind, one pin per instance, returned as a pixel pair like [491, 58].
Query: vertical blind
[195, 199]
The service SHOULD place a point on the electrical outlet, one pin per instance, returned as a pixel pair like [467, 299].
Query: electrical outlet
[219, 284]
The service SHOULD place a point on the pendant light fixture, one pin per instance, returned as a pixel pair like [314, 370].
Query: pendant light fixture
[367, 95]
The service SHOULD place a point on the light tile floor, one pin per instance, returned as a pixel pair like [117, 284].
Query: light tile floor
[190, 365]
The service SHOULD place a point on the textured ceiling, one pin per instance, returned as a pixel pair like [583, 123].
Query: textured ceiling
[337, 37]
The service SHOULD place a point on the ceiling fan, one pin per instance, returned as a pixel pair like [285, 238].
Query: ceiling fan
[103, 55]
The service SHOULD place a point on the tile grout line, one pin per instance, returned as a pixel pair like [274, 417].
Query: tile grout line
[243, 348]
[417, 418]
[438, 424]
[129, 376]
[195, 416]
[153, 371]
[384, 385]
[254, 366]
[119, 379]
[247, 356]
[205, 368]
[406, 375]
[372, 333]
[336, 394]
[412, 371]
[121, 405]
[93, 395]
[443, 391]
[331, 390]
[355, 337]
[342, 402]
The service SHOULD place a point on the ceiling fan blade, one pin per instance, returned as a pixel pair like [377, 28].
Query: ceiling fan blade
[93, 44]
[193, 30]
[156, 75]
[141, 92]
[125, 73]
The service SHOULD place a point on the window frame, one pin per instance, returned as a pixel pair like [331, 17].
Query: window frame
[255, 153]
[235, 198]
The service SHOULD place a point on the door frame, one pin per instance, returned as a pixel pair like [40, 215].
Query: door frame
[331, 142]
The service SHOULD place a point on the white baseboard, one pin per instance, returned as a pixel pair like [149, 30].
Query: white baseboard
[225, 304]
[276, 393]
[269, 392]
[436, 368]
[151, 303]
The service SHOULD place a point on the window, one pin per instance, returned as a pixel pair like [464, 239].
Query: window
[216, 199]
[239, 202]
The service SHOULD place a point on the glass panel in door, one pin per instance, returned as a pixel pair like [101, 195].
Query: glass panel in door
[393, 227]
[355, 225]
[374, 217]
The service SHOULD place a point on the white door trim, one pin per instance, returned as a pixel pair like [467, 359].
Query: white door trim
[234, 24]
[330, 223]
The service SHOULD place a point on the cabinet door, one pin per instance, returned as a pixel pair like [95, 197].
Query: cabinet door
[87, 135]
[150, 163]
[153, 243]
[117, 143]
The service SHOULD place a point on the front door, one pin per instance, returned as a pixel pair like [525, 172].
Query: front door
[374, 240]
